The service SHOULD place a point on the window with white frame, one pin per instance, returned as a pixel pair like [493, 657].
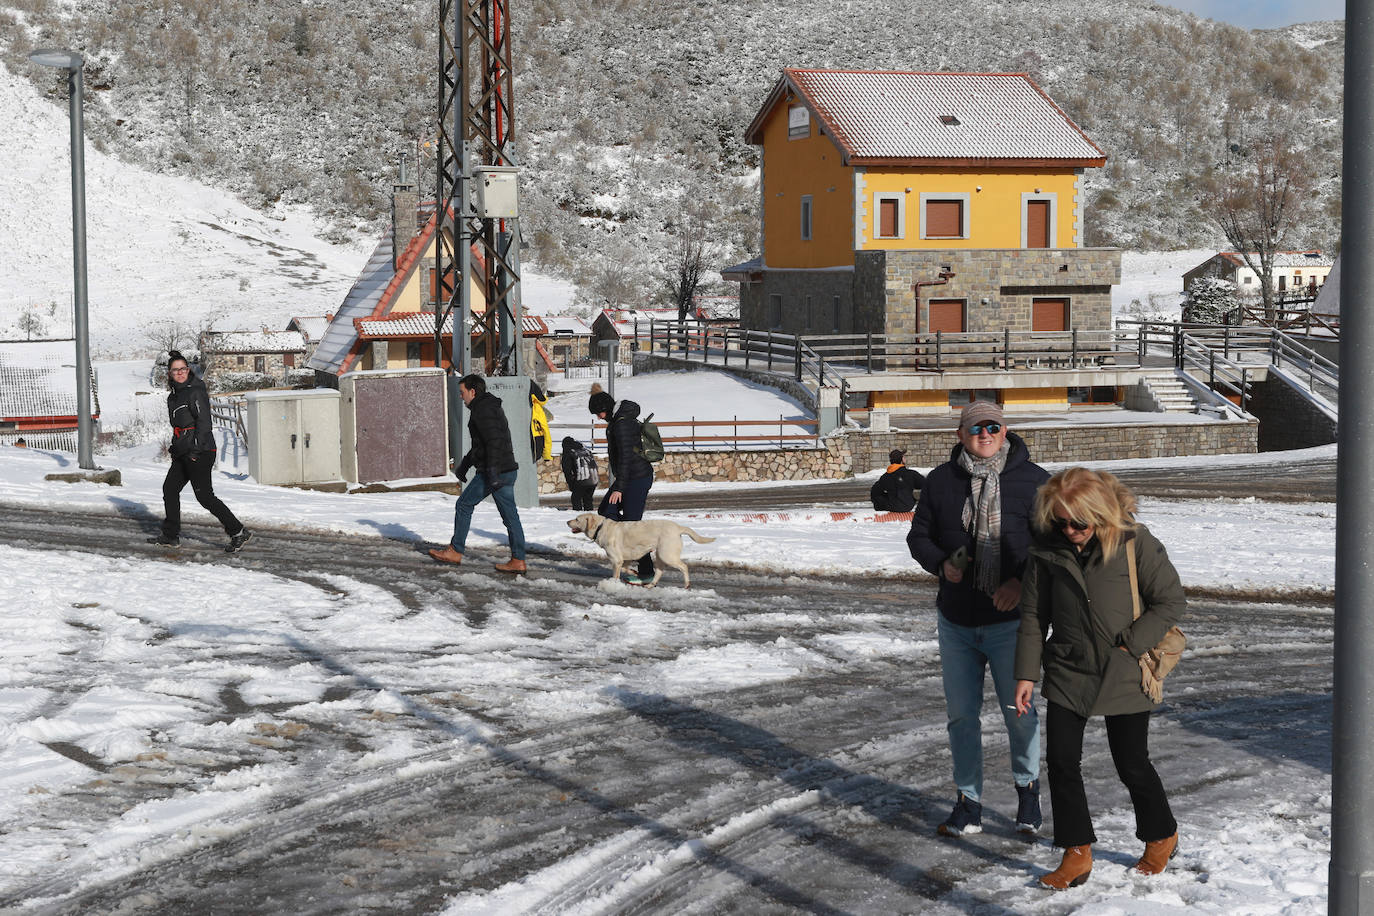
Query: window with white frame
[889, 215]
[798, 122]
[806, 217]
[944, 216]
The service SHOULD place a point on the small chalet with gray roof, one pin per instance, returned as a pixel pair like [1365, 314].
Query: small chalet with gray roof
[38, 394]
[904, 203]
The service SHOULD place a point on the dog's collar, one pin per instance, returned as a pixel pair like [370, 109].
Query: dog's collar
[600, 523]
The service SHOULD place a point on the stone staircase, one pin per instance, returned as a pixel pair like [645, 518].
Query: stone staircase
[1169, 393]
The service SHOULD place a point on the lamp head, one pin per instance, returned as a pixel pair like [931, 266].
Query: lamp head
[60, 58]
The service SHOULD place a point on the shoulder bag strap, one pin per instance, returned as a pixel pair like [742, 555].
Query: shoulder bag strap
[1135, 580]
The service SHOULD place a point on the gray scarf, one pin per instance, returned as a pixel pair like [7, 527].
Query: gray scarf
[983, 515]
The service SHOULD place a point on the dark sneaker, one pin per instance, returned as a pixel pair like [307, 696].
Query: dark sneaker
[1028, 818]
[163, 540]
[236, 541]
[967, 817]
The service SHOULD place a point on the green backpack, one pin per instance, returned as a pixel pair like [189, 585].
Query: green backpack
[650, 441]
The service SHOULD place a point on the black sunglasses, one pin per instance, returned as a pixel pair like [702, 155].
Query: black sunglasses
[1075, 524]
[992, 428]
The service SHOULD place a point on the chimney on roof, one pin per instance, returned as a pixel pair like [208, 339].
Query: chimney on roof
[405, 203]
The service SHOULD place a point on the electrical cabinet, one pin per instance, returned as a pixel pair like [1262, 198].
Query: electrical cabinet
[497, 193]
[393, 424]
[293, 436]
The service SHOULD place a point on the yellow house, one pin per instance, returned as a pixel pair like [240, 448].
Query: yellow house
[906, 203]
[387, 319]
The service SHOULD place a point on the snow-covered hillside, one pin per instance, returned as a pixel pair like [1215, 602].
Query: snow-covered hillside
[159, 247]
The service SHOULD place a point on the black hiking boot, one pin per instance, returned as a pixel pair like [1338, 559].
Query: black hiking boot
[165, 540]
[236, 541]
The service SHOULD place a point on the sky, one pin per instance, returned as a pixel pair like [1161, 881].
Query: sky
[1264, 14]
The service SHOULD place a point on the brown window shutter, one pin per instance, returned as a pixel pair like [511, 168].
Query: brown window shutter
[1049, 314]
[947, 315]
[887, 218]
[944, 219]
[1037, 224]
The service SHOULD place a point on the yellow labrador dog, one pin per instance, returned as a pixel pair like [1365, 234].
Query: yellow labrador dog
[626, 542]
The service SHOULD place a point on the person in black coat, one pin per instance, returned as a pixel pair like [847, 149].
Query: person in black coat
[631, 473]
[193, 457]
[575, 454]
[895, 491]
[972, 528]
[493, 456]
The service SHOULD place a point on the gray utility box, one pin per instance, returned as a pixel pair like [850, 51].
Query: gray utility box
[393, 424]
[514, 392]
[497, 195]
[293, 436]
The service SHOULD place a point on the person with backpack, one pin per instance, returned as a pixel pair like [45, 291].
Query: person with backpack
[895, 491]
[631, 473]
[581, 473]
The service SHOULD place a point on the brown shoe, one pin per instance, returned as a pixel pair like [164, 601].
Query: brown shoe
[1157, 855]
[1073, 870]
[512, 566]
[447, 555]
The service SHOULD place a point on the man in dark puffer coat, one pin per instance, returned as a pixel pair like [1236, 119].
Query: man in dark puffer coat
[631, 473]
[972, 529]
[493, 455]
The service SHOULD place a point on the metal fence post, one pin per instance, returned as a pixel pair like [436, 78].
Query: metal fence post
[796, 347]
[939, 353]
[770, 351]
[1006, 348]
[868, 353]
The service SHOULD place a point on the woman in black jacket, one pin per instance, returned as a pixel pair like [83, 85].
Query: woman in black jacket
[631, 473]
[193, 457]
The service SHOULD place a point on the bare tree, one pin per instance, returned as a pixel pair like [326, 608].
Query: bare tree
[1257, 202]
[32, 324]
[684, 270]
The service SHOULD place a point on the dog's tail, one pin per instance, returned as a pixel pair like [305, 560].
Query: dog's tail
[699, 538]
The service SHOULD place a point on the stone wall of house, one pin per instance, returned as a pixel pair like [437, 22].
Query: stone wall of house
[858, 451]
[795, 286]
[999, 284]
[221, 363]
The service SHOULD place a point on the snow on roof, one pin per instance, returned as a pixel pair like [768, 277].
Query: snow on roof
[891, 117]
[339, 337]
[38, 379]
[1281, 259]
[421, 325]
[568, 325]
[312, 326]
[263, 341]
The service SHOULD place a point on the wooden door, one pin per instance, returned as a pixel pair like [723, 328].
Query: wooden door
[946, 315]
[1037, 224]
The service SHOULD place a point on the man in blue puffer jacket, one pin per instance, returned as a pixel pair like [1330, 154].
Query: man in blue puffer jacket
[631, 473]
[971, 528]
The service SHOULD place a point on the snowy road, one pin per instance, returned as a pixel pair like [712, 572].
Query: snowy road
[371, 733]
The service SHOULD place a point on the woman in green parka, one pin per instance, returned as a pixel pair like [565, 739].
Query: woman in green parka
[1077, 622]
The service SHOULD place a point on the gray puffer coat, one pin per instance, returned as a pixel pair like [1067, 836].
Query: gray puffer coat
[1075, 616]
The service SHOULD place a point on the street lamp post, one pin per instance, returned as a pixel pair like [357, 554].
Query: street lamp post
[72, 62]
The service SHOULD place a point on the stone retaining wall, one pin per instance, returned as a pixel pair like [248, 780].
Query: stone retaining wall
[858, 451]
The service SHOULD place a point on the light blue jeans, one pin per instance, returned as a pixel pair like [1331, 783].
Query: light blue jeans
[965, 653]
[504, 498]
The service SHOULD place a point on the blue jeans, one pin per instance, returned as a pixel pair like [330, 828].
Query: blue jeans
[965, 653]
[504, 498]
[633, 496]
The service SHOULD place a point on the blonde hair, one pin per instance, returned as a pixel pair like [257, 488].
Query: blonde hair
[1095, 497]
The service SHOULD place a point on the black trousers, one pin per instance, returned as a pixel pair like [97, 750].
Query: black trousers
[197, 473]
[1129, 740]
[582, 496]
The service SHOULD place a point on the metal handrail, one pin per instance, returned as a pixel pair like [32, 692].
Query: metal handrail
[227, 412]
